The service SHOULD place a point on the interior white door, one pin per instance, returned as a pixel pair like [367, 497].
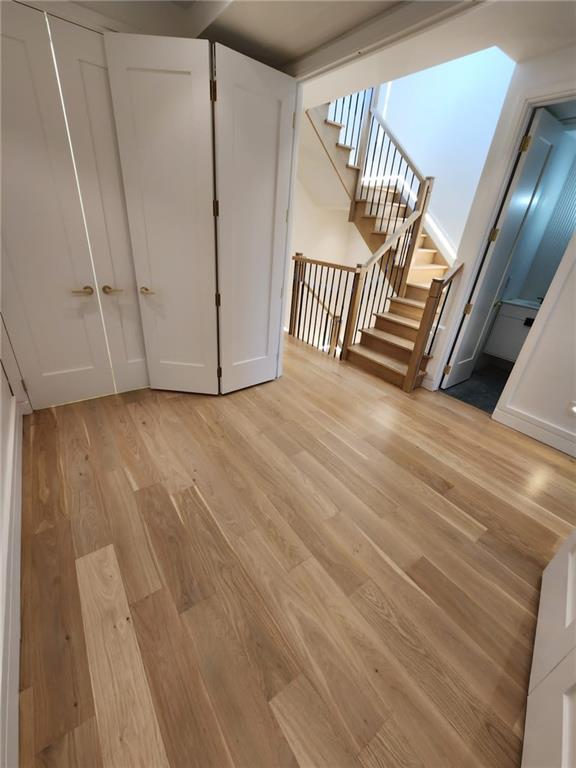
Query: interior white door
[254, 136]
[556, 629]
[161, 97]
[547, 134]
[83, 75]
[54, 323]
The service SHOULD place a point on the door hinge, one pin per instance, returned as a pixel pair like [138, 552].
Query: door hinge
[525, 143]
[287, 214]
[216, 208]
[24, 387]
[468, 308]
[447, 369]
[293, 121]
[213, 91]
[218, 299]
[219, 372]
[493, 234]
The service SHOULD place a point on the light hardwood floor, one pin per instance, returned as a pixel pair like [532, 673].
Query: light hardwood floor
[319, 571]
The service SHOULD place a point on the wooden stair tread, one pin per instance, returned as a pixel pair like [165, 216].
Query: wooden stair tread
[409, 302]
[427, 250]
[344, 146]
[425, 286]
[381, 359]
[390, 338]
[443, 267]
[334, 123]
[353, 166]
[400, 319]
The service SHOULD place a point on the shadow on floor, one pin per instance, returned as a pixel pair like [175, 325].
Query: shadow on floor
[482, 389]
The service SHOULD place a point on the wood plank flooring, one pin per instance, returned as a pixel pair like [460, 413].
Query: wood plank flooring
[319, 571]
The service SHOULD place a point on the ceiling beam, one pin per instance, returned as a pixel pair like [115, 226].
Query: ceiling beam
[395, 24]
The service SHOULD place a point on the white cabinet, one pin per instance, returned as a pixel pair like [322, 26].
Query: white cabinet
[550, 731]
[511, 326]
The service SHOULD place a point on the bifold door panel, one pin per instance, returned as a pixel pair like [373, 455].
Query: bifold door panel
[254, 123]
[114, 232]
[161, 95]
[49, 296]
[83, 74]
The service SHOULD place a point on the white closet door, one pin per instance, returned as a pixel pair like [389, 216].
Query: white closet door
[83, 73]
[161, 97]
[550, 730]
[57, 334]
[254, 136]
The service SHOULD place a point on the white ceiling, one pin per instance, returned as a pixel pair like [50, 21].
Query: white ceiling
[279, 32]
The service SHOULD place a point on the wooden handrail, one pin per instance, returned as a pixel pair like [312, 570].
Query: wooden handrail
[451, 274]
[399, 146]
[390, 241]
[343, 267]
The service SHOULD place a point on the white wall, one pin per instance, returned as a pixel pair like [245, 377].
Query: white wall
[541, 389]
[445, 118]
[542, 80]
[325, 233]
[13, 404]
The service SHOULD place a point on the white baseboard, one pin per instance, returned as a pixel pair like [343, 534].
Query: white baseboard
[537, 428]
[10, 581]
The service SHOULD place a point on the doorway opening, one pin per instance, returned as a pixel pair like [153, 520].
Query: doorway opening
[530, 237]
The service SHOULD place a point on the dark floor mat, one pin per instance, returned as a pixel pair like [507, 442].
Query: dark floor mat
[482, 389]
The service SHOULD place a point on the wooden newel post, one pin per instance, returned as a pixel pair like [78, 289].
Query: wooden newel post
[296, 280]
[353, 308]
[426, 323]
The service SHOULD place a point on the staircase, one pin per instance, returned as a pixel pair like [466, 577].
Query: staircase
[397, 296]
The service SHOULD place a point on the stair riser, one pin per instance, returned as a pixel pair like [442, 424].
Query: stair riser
[416, 275]
[382, 197]
[380, 345]
[378, 370]
[399, 330]
[418, 294]
[423, 257]
[397, 308]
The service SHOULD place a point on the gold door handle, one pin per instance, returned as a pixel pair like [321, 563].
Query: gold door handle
[146, 291]
[107, 289]
[87, 290]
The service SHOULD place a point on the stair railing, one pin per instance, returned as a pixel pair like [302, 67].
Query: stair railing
[380, 278]
[429, 324]
[352, 113]
[389, 183]
[321, 293]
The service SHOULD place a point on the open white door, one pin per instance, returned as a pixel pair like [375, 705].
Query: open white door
[254, 136]
[83, 74]
[547, 134]
[161, 96]
[49, 297]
